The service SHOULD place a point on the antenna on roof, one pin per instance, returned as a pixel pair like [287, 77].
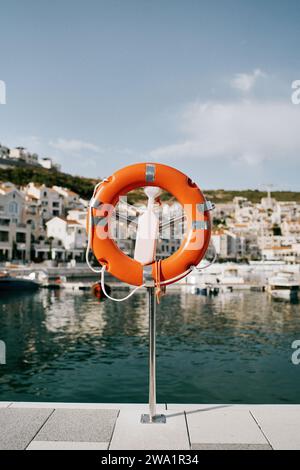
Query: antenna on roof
[268, 187]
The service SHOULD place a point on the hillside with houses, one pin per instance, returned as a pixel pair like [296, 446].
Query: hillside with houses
[43, 216]
[38, 222]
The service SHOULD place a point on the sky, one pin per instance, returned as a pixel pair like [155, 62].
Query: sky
[202, 85]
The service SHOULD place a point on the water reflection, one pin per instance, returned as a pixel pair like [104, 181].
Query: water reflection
[66, 346]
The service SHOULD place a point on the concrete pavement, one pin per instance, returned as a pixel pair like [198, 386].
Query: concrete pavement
[77, 426]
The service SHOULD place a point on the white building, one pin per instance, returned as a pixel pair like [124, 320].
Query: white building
[78, 215]
[280, 253]
[49, 201]
[223, 210]
[15, 240]
[268, 203]
[225, 243]
[4, 152]
[12, 202]
[49, 164]
[33, 217]
[19, 153]
[70, 233]
[71, 200]
[15, 236]
[291, 227]
[46, 163]
[228, 245]
[275, 240]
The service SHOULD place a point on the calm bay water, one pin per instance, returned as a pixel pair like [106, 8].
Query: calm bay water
[234, 348]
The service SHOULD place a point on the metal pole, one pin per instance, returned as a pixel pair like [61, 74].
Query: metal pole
[152, 417]
[152, 352]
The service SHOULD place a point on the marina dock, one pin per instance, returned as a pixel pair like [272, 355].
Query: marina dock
[74, 426]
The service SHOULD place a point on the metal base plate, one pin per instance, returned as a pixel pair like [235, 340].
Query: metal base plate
[145, 419]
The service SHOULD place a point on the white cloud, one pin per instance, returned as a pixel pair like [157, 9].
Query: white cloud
[73, 145]
[238, 132]
[246, 81]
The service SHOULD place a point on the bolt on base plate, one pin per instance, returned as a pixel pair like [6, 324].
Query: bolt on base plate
[145, 419]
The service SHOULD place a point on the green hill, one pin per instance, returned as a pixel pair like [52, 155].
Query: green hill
[84, 186]
[24, 175]
[254, 195]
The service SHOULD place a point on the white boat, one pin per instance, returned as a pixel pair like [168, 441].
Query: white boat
[221, 278]
[201, 282]
[284, 286]
[60, 282]
[16, 284]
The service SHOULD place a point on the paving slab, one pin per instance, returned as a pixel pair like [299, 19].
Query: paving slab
[95, 426]
[224, 426]
[280, 424]
[67, 425]
[189, 408]
[66, 445]
[231, 447]
[18, 427]
[130, 433]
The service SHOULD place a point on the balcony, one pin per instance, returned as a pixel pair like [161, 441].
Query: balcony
[4, 223]
[21, 246]
[5, 245]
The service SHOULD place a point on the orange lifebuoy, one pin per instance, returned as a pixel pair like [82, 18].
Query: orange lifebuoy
[197, 236]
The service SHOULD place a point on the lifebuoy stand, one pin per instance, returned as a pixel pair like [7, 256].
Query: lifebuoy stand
[152, 417]
[143, 271]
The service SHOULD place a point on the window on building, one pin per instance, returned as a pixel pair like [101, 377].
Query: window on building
[3, 236]
[13, 207]
[5, 222]
[31, 223]
[20, 237]
[55, 204]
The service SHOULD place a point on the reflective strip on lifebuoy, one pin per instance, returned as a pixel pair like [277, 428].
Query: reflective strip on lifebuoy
[196, 208]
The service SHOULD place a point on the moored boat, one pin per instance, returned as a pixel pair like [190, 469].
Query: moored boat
[284, 286]
[11, 283]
